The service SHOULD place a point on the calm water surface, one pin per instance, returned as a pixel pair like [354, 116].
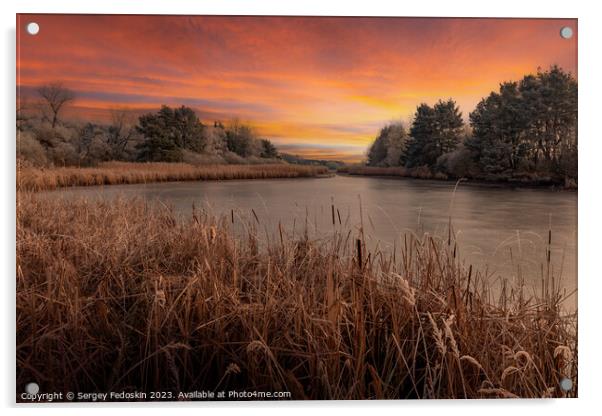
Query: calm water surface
[498, 229]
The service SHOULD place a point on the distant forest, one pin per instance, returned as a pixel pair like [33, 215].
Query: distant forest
[527, 130]
[168, 135]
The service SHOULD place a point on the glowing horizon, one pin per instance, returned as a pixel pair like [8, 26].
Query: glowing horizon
[316, 86]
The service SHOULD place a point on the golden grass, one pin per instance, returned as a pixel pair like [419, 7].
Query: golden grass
[113, 173]
[121, 295]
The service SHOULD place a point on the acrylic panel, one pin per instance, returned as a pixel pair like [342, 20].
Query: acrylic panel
[295, 208]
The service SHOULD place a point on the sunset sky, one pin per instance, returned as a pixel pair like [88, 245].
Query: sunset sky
[317, 87]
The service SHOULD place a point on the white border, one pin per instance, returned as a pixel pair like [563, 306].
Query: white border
[590, 209]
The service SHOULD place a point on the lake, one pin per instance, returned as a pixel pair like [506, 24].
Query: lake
[498, 229]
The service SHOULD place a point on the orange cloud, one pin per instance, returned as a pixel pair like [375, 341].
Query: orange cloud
[302, 81]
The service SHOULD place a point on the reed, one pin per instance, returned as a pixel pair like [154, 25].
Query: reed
[124, 295]
[421, 172]
[114, 173]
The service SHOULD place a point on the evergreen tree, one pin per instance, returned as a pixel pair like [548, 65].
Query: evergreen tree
[499, 125]
[550, 100]
[268, 150]
[189, 132]
[169, 131]
[435, 131]
[529, 126]
[448, 126]
[421, 149]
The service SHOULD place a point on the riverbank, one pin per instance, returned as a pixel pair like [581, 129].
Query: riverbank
[116, 173]
[141, 301]
[420, 173]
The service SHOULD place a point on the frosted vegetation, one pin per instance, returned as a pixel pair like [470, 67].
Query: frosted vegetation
[527, 130]
[168, 135]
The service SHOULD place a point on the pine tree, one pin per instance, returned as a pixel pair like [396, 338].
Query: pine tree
[528, 126]
[435, 131]
[421, 146]
[449, 126]
[268, 150]
[169, 131]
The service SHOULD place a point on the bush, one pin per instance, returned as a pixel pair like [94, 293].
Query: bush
[388, 147]
[458, 164]
[198, 159]
[233, 158]
[421, 172]
[28, 148]
[63, 154]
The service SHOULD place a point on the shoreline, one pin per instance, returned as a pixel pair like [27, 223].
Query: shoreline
[124, 173]
[132, 173]
[472, 182]
[272, 179]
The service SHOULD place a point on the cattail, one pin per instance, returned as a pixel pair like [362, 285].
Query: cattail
[93, 274]
[332, 212]
[359, 253]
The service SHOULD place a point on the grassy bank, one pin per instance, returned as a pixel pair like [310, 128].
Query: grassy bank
[400, 171]
[424, 172]
[119, 295]
[113, 173]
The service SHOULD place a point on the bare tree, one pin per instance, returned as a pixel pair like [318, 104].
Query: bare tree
[55, 96]
[121, 131]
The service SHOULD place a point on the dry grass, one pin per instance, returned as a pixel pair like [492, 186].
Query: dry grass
[120, 295]
[113, 173]
[422, 172]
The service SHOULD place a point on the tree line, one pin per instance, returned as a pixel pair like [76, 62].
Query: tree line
[172, 134]
[527, 130]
